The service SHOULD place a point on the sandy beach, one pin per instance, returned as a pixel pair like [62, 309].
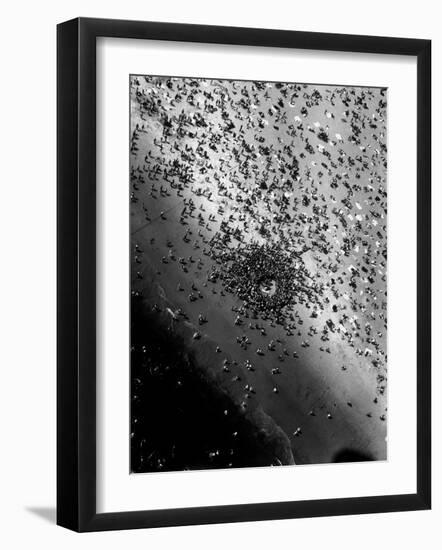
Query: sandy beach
[326, 397]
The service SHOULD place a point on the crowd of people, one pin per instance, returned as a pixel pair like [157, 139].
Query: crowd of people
[269, 280]
[280, 190]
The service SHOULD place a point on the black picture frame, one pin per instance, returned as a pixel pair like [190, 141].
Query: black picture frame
[76, 273]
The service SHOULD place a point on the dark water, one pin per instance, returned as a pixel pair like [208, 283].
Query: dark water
[181, 419]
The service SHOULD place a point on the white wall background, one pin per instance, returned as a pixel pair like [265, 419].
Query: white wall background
[27, 274]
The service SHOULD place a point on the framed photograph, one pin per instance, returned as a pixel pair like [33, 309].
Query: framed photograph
[243, 274]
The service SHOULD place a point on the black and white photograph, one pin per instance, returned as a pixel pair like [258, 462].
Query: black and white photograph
[258, 269]
[220, 242]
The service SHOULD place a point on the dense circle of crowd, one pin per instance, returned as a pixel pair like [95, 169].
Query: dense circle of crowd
[269, 280]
